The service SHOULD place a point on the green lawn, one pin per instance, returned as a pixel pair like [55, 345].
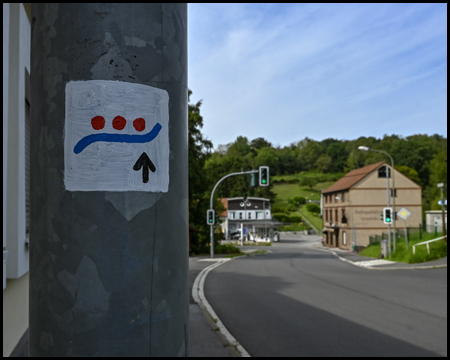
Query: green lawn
[286, 191]
[438, 249]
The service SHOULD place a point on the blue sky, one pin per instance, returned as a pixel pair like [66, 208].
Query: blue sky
[289, 71]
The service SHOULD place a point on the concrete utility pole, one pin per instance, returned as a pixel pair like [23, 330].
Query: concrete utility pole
[109, 238]
[441, 186]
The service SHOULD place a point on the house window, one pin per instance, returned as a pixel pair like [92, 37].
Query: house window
[249, 215]
[382, 172]
[343, 196]
[344, 218]
[336, 213]
[326, 215]
[240, 215]
[393, 192]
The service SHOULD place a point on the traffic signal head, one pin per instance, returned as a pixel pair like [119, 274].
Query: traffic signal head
[253, 179]
[210, 217]
[263, 176]
[387, 215]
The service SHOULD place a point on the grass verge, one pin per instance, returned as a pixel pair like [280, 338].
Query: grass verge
[438, 249]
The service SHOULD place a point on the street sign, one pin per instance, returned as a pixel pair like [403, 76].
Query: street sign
[404, 213]
[116, 137]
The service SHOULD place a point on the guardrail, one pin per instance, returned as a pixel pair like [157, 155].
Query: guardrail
[427, 243]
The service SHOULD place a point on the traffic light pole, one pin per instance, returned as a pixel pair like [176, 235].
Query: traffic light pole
[388, 205]
[108, 268]
[212, 198]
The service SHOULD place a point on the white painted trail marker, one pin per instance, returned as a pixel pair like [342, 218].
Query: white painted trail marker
[116, 137]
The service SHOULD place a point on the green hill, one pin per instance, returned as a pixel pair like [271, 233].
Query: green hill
[287, 191]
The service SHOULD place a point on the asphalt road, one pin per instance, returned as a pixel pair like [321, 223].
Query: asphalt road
[300, 301]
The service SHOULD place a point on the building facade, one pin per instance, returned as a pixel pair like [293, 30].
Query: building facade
[252, 213]
[352, 207]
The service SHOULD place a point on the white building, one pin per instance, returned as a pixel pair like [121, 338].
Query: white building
[252, 213]
[16, 175]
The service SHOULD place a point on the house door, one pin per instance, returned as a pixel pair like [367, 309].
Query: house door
[336, 236]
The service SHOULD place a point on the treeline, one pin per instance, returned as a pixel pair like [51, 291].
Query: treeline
[420, 157]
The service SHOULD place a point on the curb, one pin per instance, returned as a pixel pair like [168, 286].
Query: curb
[228, 340]
[355, 263]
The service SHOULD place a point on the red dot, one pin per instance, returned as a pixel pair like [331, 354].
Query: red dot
[139, 124]
[98, 122]
[119, 122]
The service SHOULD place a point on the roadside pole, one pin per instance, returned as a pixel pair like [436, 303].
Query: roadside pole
[109, 262]
[444, 232]
[388, 205]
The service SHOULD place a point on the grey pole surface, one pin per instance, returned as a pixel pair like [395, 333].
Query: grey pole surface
[108, 269]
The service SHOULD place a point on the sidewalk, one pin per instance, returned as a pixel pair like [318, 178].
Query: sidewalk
[204, 337]
[383, 264]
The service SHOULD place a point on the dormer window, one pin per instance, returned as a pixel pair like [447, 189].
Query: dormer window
[382, 172]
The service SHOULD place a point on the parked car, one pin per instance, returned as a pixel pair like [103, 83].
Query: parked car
[235, 235]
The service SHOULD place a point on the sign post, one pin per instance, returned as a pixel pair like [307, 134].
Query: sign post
[109, 186]
[404, 214]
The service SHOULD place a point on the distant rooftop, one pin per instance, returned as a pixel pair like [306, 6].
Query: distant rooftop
[352, 178]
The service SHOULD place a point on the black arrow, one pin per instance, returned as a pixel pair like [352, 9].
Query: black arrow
[145, 161]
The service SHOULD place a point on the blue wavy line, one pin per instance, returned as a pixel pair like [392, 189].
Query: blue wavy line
[123, 138]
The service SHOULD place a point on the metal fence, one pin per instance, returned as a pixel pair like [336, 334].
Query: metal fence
[399, 232]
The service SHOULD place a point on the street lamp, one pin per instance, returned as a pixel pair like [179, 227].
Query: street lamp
[365, 148]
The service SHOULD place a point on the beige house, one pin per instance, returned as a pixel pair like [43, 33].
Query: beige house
[352, 207]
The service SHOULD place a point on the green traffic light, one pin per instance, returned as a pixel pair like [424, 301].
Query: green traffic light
[264, 181]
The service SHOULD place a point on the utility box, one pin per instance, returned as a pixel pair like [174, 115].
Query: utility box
[384, 248]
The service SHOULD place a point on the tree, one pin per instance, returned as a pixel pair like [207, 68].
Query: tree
[324, 163]
[339, 155]
[240, 147]
[308, 181]
[267, 157]
[308, 153]
[199, 151]
[259, 143]
[409, 173]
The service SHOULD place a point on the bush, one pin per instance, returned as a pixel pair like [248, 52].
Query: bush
[294, 219]
[280, 210]
[226, 249]
[313, 208]
[292, 208]
[292, 228]
[299, 200]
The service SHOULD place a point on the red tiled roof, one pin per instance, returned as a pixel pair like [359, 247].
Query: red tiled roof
[352, 178]
[225, 205]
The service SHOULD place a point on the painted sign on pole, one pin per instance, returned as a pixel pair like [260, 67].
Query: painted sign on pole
[116, 137]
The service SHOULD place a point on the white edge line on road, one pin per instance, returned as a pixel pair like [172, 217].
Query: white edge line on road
[199, 297]
[384, 268]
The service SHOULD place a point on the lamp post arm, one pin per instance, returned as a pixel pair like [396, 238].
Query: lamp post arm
[212, 198]
[225, 177]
